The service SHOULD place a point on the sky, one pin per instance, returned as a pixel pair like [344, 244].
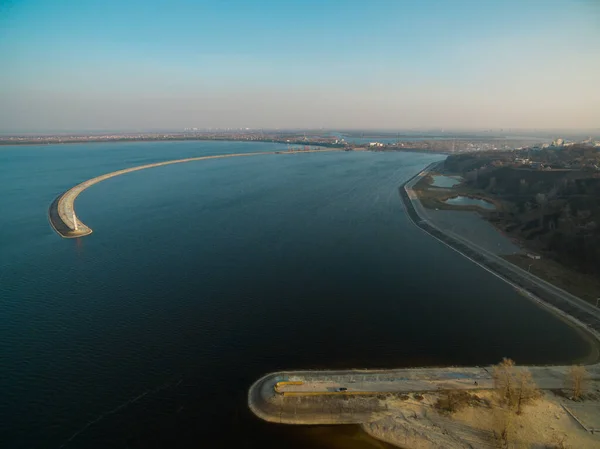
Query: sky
[69, 65]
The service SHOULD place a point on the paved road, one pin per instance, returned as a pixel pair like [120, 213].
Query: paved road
[314, 383]
[317, 401]
[547, 287]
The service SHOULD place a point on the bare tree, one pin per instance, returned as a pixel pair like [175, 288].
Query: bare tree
[515, 387]
[504, 380]
[577, 378]
[526, 389]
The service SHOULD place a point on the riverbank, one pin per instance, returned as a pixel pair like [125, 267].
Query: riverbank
[472, 226]
[547, 207]
[570, 307]
[582, 285]
[371, 397]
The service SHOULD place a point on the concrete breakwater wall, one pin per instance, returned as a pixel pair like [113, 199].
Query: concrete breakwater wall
[61, 212]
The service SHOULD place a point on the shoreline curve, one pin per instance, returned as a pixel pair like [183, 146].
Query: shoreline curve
[319, 400]
[64, 220]
[569, 308]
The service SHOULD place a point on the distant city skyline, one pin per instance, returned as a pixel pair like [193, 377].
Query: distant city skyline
[396, 65]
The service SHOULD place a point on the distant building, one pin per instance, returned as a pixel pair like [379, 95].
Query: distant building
[375, 144]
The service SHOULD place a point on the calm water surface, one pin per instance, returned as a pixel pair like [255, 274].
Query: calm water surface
[467, 201]
[445, 181]
[201, 277]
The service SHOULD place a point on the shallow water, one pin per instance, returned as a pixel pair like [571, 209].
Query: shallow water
[468, 201]
[444, 181]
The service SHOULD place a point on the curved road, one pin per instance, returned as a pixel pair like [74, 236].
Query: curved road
[592, 320]
[314, 397]
[65, 222]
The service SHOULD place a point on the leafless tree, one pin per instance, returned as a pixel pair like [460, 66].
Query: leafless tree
[515, 387]
[504, 380]
[526, 389]
[577, 378]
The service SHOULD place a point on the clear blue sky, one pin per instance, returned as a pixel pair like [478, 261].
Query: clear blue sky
[82, 64]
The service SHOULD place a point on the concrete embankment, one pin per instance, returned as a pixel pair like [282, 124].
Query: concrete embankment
[61, 212]
[278, 408]
[320, 403]
[572, 309]
[354, 396]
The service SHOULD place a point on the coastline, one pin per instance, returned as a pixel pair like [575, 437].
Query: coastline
[580, 315]
[314, 397]
[326, 146]
[169, 139]
[550, 267]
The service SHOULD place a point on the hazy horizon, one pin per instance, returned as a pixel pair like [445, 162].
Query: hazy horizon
[462, 65]
[498, 132]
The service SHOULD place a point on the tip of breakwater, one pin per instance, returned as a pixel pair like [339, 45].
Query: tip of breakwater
[269, 405]
[60, 227]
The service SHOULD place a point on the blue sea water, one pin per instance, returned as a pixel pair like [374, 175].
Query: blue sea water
[201, 277]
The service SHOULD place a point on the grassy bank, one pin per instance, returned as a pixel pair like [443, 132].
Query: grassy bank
[586, 287]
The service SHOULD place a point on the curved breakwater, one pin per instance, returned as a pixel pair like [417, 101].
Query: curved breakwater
[61, 212]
